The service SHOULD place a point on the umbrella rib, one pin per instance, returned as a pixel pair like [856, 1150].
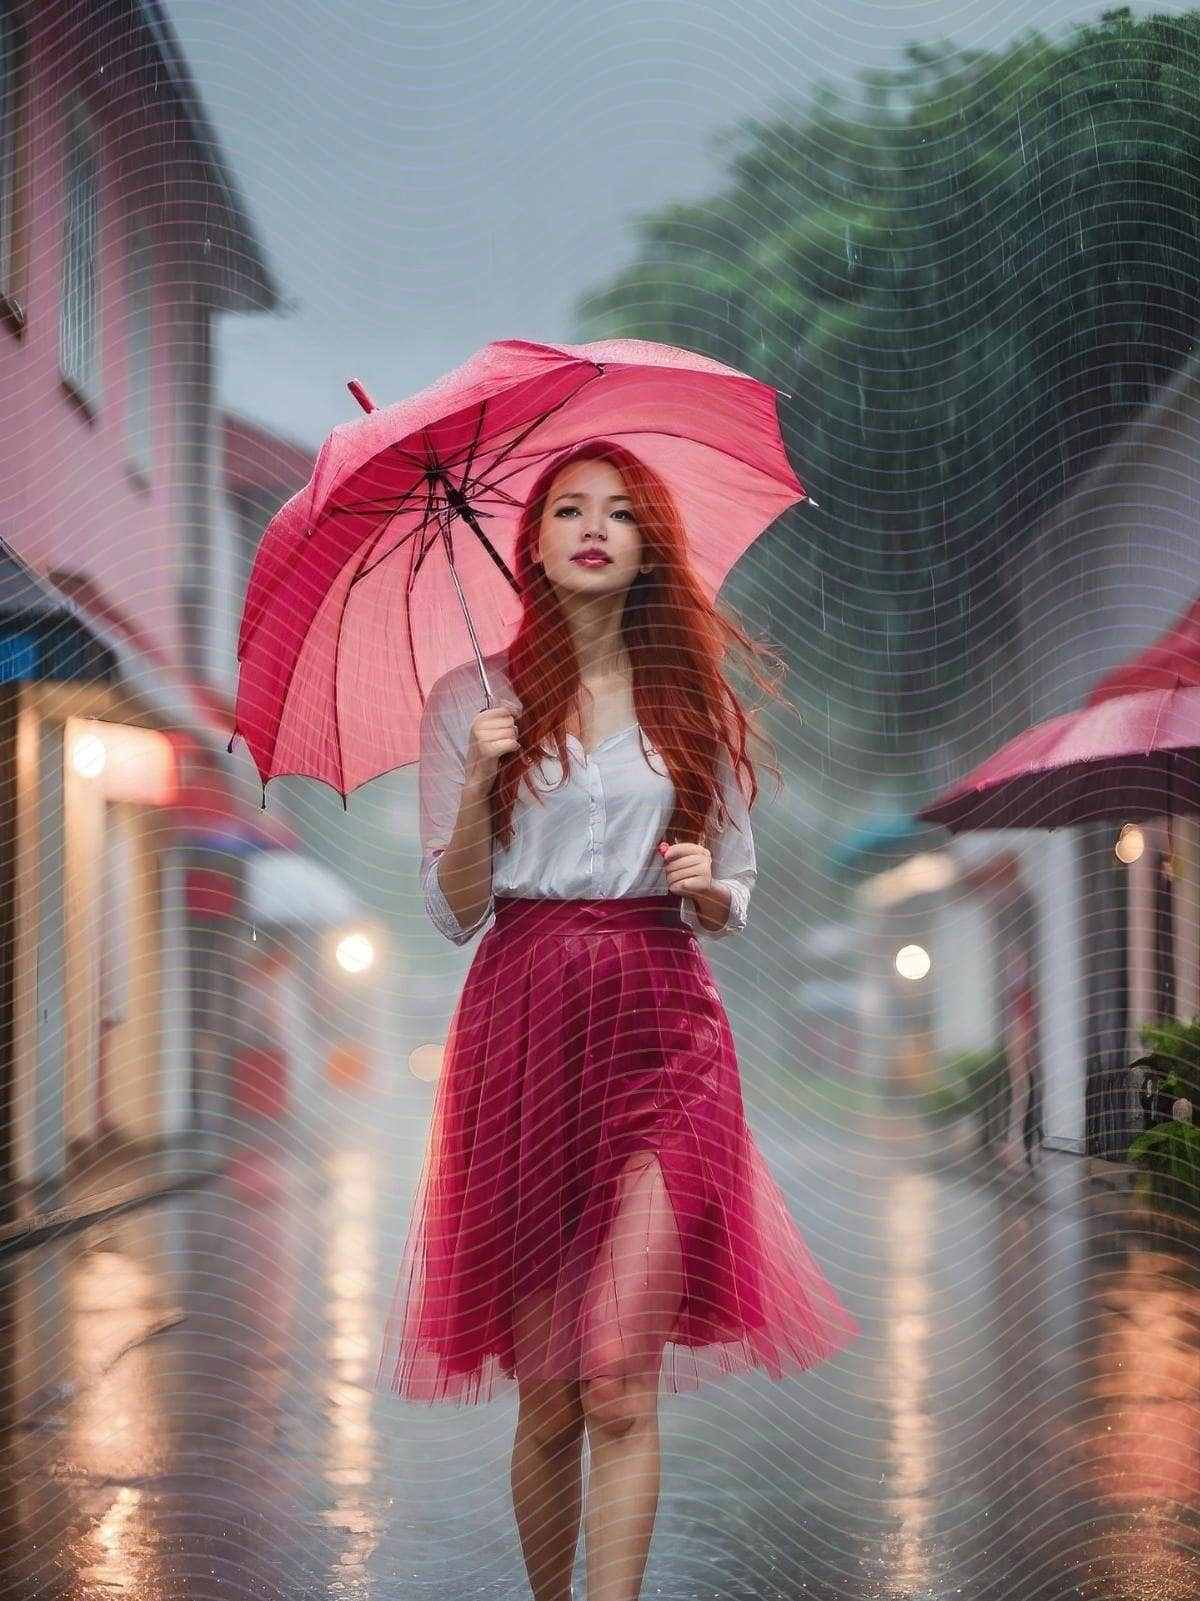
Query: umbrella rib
[443, 513]
[1158, 717]
[337, 722]
[432, 514]
[355, 507]
[1169, 755]
[538, 421]
[667, 433]
[337, 651]
[365, 571]
[468, 460]
[294, 556]
[398, 447]
[472, 493]
[352, 510]
[430, 511]
[412, 651]
[481, 486]
[421, 461]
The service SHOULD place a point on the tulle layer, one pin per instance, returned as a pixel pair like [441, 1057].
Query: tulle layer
[592, 1199]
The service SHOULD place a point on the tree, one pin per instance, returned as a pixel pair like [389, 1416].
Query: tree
[968, 280]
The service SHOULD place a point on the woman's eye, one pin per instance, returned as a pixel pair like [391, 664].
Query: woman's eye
[621, 511]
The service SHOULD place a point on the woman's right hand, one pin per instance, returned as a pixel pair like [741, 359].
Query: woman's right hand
[493, 734]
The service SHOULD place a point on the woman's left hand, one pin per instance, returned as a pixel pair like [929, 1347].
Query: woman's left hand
[688, 868]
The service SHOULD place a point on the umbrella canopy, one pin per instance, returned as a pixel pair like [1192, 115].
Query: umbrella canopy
[1132, 751]
[1172, 662]
[356, 602]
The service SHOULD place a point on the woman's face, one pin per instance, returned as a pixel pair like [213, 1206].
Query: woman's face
[588, 511]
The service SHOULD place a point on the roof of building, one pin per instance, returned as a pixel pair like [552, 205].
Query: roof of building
[251, 285]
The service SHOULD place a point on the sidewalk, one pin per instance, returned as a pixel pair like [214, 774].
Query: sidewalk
[192, 1410]
[116, 1175]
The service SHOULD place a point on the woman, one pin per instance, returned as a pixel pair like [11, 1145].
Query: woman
[591, 1193]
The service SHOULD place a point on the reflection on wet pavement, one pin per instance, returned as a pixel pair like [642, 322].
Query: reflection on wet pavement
[189, 1413]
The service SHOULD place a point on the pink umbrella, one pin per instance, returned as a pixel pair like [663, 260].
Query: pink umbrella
[1132, 751]
[394, 562]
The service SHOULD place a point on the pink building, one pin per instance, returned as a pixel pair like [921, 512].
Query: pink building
[121, 233]
[124, 826]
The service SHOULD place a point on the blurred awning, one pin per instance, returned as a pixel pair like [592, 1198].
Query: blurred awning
[289, 889]
[178, 700]
[43, 634]
[881, 841]
[1171, 662]
[1132, 750]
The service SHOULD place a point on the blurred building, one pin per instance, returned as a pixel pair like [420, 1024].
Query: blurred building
[1059, 945]
[1114, 566]
[132, 845]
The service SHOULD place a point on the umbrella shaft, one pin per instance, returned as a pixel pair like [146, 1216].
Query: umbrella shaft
[458, 502]
[462, 600]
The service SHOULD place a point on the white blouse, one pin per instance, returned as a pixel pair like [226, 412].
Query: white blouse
[595, 838]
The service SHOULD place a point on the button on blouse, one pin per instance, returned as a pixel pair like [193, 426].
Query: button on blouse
[594, 838]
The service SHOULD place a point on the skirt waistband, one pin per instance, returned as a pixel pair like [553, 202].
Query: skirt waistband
[550, 916]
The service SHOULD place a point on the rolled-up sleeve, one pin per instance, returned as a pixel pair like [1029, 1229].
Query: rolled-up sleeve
[445, 721]
[733, 859]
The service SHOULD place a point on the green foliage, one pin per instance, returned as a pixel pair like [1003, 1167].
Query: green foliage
[970, 1082]
[1174, 1052]
[1168, 1156]
[967, 279]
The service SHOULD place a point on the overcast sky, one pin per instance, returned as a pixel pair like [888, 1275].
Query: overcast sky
[425, 178]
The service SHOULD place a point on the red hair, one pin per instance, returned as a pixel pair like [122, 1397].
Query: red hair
[676, 640]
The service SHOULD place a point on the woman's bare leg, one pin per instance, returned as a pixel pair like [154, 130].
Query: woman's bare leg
[546, 1465]
[637, 1287]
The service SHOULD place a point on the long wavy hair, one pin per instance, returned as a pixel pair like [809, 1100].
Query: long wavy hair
[677, 641]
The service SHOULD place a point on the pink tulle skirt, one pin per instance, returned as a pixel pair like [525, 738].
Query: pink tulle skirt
[592, 1201]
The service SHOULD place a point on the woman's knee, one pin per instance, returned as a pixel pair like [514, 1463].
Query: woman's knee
[614, 1403]
[552, 1412]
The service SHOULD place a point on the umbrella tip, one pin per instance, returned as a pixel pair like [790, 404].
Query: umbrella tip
[361, 395]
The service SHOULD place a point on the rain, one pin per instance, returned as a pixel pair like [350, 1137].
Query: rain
[956, 252]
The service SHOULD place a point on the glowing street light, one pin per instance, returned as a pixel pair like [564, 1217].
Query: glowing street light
[355, 953]
[89, 755]
[912, 961]
[1130, 843]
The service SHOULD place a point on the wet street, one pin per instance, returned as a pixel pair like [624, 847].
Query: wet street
[190, 1412]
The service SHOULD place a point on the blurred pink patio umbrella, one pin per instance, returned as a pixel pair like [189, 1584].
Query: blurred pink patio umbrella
[393, 563]
[1131, 751]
